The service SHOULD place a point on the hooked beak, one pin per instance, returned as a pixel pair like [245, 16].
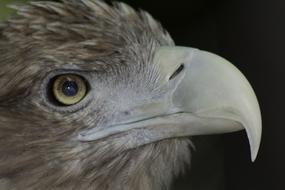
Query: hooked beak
[211, 96]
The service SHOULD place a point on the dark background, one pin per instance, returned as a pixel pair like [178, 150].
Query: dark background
[251, 34]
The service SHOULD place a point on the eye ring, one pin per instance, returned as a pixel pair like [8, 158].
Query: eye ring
[68, 89]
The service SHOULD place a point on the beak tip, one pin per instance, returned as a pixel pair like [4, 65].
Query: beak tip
[254, 150]
[254, 141]
[254, 153]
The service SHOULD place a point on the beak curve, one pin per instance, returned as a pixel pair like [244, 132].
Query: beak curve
[219, 90]
[211, 96]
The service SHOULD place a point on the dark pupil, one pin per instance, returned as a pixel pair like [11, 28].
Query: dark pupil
[69, 88]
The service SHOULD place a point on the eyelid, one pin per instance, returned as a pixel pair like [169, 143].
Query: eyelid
[45, 92]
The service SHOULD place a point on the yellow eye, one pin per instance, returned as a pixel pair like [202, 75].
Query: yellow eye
[69, 89]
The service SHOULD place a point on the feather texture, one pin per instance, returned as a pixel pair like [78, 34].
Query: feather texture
[37, 149]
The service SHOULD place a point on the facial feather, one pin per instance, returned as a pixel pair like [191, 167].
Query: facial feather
[37, 146]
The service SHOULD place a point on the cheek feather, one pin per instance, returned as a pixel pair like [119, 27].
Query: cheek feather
[39, 149]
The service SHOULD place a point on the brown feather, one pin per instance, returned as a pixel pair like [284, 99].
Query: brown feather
[37, 146]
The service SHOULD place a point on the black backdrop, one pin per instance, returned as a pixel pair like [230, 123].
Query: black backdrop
[251, 34]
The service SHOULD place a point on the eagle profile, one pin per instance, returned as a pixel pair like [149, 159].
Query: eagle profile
[97, 96]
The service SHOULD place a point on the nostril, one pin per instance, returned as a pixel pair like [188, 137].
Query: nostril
[177, 71]
[126, 113]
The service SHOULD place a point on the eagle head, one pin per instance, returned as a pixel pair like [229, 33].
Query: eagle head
[97, 96]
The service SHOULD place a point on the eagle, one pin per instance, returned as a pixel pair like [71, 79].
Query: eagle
[97, 96]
